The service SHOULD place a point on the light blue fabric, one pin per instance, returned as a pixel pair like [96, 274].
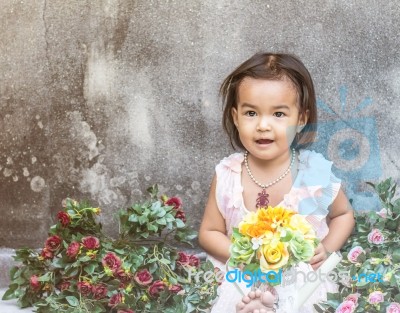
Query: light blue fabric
[315, 174]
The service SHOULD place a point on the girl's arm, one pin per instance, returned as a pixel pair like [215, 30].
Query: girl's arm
[341, 223]
[212, 234]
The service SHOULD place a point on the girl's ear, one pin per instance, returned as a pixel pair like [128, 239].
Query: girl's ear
[234, 113]
[303, 118]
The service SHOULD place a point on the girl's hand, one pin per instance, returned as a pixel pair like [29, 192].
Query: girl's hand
[320, 255]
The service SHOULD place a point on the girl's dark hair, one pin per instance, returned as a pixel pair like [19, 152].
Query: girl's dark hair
[272, 66]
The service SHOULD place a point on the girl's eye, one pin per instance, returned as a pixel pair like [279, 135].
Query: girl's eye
[250, 113]
[279, 114]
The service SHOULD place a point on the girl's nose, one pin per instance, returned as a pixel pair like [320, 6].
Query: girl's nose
[263, 124]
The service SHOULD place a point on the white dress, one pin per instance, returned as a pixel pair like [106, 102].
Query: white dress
[313, 190]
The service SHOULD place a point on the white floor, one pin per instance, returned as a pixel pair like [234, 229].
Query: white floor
[10, 306]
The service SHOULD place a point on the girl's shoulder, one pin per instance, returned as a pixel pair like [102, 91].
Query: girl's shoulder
[232, 163]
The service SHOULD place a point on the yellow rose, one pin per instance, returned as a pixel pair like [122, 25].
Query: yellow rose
[299, 222]
[273, 257]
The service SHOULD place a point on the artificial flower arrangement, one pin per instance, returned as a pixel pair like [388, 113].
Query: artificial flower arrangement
[270, 240]
[371, 260]
[80, 269]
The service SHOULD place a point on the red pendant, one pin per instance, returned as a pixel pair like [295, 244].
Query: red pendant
[262, 200]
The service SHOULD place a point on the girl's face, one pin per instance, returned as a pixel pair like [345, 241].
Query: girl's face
[267, 117]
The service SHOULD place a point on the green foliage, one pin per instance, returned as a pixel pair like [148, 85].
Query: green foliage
[80, 269]
[373, 248]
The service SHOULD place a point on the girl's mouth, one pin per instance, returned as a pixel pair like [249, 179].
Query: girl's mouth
[264, 141]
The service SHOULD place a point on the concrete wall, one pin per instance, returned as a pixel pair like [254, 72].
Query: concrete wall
[100, 99]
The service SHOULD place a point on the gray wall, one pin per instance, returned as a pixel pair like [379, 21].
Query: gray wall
[100, 99]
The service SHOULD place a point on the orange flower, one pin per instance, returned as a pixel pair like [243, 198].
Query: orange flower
[252, 226]
[279, 216]
[255, 230]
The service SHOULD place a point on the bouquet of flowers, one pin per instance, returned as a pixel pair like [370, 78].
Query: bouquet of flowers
[370, 269]
[80, 269]
[270, 240]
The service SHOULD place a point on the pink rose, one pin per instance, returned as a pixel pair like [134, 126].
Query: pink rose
[125, 311]
[112, 261]
[174, 202]
[194, 261]
[91, 242]
[99, 291]
[143, 277]
[376, 297]
[183, 259]
[34, 282]
[376, 237]
[84, 287]
[115, 300]
[53, 243]
[346, 307]
[64, 285]
[73, 249]
[63, 218]
[383, 213]
[157, 287]
[46, 254]
[354, 253]
[353, 297]
[175, 288]
[393, 307]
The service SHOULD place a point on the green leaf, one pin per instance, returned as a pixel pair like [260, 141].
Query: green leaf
[133, 218]
[143, 219]
[179, 223]
[165, 261]
[90, 268]
[152, 227]
[45, 277]
[10, 293]
[73, 301]
[161, 221]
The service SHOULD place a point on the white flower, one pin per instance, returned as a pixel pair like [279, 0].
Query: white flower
[257, 242]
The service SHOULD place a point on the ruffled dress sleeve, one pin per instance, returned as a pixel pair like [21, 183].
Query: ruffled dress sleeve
[229, 190]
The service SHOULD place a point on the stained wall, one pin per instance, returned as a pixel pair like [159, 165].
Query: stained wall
[101, 99]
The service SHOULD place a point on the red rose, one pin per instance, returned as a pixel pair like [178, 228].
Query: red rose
[46, 254]
[64, 285]
[194, 261]
[112, 261]
[63, 218]
[143, 277]
[73, 249]
[115, 300]
[99, 291]
[181, 215]
[91, 242]
[183, 259]
[175, 288]
[84, 288]
[53, 243]
[157, 287]
[123, 276]
[174, 202]
[34, 282]
[126, 311]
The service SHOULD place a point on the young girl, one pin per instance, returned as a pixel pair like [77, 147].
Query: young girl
[270, 114]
